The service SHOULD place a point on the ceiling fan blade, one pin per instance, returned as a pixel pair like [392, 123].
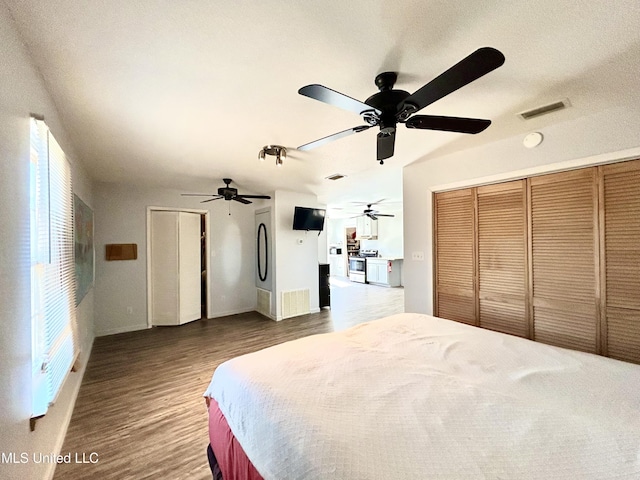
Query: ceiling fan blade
[217, 197]
[196, 194]
[241, 200]
[384, 215]
[369, 204]
[331, 138]
[372, 216]
[264, 197]
[479, 63]
[337, 99]
[386, 144]
[448, 124]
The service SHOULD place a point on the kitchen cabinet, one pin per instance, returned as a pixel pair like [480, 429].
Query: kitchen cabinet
[337, 265]
[384, 271]
[367, 228]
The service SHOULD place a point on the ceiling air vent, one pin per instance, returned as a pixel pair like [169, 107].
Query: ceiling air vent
[335, 176]
[543, 110]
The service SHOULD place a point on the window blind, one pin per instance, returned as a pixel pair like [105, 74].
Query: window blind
[54, 338]
[39, 239]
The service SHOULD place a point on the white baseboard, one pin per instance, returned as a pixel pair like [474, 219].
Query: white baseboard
[232, 312]
[114, 331]
[280, 317]
[133, 328]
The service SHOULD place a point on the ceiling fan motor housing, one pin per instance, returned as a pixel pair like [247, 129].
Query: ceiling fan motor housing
[227, 192]
[387, 100]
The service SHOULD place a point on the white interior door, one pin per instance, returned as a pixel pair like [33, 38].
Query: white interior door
[175, 273]
[189, 267]
[164, 268]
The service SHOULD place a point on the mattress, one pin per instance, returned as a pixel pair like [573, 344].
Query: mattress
[230, 459]
[415, 396]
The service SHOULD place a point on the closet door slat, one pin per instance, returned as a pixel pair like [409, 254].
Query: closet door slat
[622, 259]
[455, 262]
[502, 258]
[565, 259]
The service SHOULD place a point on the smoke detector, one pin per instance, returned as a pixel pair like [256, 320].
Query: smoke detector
[532, 140]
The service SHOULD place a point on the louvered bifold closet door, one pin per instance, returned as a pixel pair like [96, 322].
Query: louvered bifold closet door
[621, 192]
[502, 257]
[564, 248]
[455, 255]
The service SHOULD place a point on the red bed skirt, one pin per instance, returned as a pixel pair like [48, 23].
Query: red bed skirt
[233, 462]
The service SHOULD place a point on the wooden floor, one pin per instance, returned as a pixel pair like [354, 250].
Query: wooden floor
[140, 406]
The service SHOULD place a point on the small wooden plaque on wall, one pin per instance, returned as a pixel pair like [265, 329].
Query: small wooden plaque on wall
[122, 251]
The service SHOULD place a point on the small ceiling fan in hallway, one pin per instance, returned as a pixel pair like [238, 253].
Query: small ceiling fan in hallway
[228, 193]
[372, 214]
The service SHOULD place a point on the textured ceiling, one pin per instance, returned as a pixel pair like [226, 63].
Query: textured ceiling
[182, 94]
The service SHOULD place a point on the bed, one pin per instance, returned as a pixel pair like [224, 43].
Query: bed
[414, 396]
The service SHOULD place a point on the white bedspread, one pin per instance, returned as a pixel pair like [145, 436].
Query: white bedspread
[417, 397]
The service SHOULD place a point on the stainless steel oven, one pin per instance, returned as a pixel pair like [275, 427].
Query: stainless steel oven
[358, 265]
[358, 269]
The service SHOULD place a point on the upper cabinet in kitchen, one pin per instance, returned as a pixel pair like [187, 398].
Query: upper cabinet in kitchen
[366, 228]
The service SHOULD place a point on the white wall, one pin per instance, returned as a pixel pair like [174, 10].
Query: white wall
[390, 235]
[22, 93]
[335, 231]
[610, 135]
[121, 213]
[296, 263]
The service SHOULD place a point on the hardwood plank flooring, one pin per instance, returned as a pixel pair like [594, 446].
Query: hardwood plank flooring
[140, 406]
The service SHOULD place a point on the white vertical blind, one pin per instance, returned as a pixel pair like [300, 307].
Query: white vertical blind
[39, 237]
[53, 269]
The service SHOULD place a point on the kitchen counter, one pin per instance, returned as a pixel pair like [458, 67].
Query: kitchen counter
[385, 271]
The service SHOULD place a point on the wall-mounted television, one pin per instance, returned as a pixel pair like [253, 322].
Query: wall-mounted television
[305, 218]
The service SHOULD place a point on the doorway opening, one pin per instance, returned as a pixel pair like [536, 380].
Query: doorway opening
[203, 267]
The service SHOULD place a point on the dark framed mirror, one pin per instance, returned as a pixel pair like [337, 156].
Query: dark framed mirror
[263, 248]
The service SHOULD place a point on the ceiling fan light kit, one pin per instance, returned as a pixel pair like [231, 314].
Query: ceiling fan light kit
[389, 107]
[277, 151]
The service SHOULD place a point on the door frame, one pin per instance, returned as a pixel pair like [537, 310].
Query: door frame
[207, 229]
